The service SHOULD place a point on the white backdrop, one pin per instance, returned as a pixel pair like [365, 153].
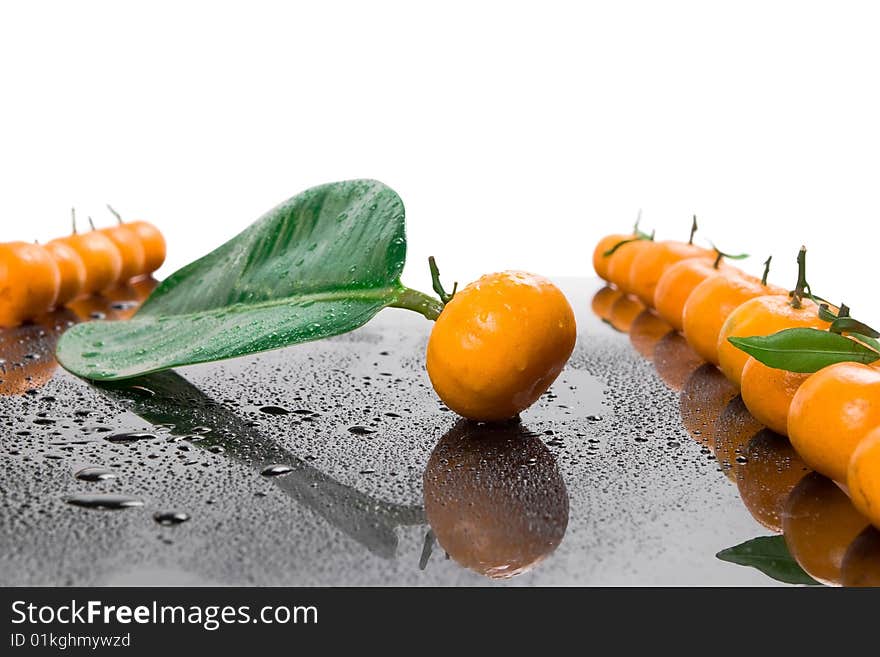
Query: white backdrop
[516, 134]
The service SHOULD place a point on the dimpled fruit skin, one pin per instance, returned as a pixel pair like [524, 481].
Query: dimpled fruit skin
[831, 413]
[499, 344]
[863, 476]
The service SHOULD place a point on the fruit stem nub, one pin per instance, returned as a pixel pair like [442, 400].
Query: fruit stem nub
[802, 286]
[115, 214]
[91, 223]
[693, 230]
[437, 285]
[766, 270]
[73, 219]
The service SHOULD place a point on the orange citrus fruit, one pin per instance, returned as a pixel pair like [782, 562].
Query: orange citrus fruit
[710, 304]
[499, 343]
[677, 283]
[768, 393]
[831, 412]
[651, 263]
[29, 282]
[863, 476]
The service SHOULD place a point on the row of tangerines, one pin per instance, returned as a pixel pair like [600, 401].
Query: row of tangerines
[831, 416]
[36, 278]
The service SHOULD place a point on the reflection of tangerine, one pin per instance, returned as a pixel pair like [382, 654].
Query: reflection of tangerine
[831, 412]
[771, 470]
[649, 265]
[709, 306]
[600, 260]
[733, 430]
[762, 316]
[703, 396]
[677, 283]
[863, 476]
[603, 300]
[494, 498]
[119, 302]
[819, 523]
[645, 332]
[675, 360]
[624, 311]
[124, 300]
[28, 352]
[620, 263]
[768, 392]
[861, 563]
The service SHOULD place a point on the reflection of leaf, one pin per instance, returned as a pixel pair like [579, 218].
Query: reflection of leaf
[318, 265]
[770, 555]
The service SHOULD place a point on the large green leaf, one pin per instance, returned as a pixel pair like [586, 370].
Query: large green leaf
[804, 350]
[770, 555]
[319, 264]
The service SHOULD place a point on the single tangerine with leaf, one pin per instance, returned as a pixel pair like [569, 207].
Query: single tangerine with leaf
[765, 315]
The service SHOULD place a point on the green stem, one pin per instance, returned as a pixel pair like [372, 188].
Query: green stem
[437, 285]
[419, 302]
[718, 257]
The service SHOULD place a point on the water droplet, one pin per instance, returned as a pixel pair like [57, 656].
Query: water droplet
[359, 430]
[104, 501]
[276, 470]
[274, 410]
[130, 437]
[95, 473]
[168, 518]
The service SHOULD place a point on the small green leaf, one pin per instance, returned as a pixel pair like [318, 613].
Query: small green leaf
[770, 555]
[871, 342]
[804, 350]
[320, 264]
[850, 325]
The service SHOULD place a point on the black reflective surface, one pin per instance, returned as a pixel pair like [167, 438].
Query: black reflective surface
[333, 463]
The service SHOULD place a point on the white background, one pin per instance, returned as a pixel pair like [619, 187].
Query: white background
[517, 134]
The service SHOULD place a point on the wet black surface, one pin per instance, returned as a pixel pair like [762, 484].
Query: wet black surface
[328, 464]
